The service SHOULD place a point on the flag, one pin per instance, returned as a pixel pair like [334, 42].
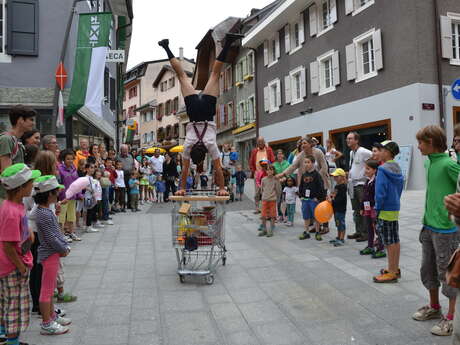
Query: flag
[60, 117]
[88, 77]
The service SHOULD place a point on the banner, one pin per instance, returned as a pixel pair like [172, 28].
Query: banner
[88, 77]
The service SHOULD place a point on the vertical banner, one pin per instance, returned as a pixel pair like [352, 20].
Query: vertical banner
[88, 77]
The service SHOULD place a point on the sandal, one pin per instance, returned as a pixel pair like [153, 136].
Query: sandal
[66, 298]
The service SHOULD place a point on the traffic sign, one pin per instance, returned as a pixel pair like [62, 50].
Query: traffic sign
[456, 89]
[115, 56]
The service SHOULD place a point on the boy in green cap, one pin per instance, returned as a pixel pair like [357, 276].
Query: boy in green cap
[15, 256]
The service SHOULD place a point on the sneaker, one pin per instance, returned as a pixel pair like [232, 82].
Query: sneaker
[318, 237]
[63, 321]
[386, 278]
[304, 235]
[74, 237]
[68, 239]
[262, 233]
[384, 270]
[334, 240]
[53, 328]
[443, 328]
[270, 234]
[123, 210]
[427, 313]
[60, 312]
[353, 236]
[339, 243]
[90, 229]
[99, 225]
[379, 254]
[366, 251]
[108, 222]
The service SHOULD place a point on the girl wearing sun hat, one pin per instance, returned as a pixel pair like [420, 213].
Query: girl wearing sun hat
[52, 246]
[15, 256]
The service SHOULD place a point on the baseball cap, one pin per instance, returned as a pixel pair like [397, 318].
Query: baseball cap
[391, 146]
[46, 183]
[339, 172]
[16, 175]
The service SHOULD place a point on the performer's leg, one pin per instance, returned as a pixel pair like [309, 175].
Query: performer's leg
[220, 178]
[185, 83]
[183, 179]
[212, 87]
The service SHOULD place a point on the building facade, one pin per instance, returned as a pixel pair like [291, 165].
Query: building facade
[32, 35]
[327, 67]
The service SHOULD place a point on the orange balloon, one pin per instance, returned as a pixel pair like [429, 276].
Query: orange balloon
[324, 212]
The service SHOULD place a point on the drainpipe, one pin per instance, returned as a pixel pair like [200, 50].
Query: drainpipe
[256, 93]
[442, 108]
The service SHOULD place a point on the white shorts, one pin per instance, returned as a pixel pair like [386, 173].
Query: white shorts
[209, 139]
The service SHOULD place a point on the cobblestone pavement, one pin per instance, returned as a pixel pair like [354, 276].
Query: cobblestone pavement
[272, 291]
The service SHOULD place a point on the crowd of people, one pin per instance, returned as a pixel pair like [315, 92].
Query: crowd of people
[50, 198]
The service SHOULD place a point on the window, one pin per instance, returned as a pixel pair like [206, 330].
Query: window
[250, 62]
[323, 15]
[325, 73]
[294, 35]
[272, 50]
[242, 113]
[357, 6]
[168, 108]
[364, 56]
[222, 83]
[272, 96]
[131, 112]
[176, 105]
[151, 137]
[239, 74]
[172, 82]
[295, 86]
[132, 92]
[228, 80]
[124, 114]
[456, 41]
[2, 26]
[230, 113]
[251, 110]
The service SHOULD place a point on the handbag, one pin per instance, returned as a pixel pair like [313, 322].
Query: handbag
[453, 270]
[90, 201]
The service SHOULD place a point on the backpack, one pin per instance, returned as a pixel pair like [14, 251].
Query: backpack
[199, 149]
[90, 201]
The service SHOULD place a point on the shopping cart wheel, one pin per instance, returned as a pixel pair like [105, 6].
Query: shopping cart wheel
[181, 278]
[210, 279]
[224, 260]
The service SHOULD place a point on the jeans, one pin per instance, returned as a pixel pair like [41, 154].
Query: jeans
[170, 188]
[105, 203]
[35, 281]
[127, 177]
[358, 194]
[290, 210]
[111, 194]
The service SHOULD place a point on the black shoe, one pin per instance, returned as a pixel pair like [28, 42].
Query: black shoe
[163, 43]
[123, 210]
[353, 236]
[112, 212]
[361, 239]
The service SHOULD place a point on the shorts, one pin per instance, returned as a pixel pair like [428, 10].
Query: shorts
[387, 231]
[144, 182]
[269, 209]
[209, 139]
[68, 212]
[339, 218]
[308, 208]
[79, 205]
[437, 250]
[15, 302]
[200, 107]
[240, 189]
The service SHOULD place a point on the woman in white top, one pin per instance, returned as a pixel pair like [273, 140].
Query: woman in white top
[332, 155]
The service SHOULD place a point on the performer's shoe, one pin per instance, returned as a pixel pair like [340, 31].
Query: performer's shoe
[163, 43]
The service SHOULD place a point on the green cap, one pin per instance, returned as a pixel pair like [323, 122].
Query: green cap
[16, 175]
[46, 183]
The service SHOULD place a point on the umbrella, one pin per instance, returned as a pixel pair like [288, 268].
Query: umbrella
[176, 149]
[153, 149]
[77, 186]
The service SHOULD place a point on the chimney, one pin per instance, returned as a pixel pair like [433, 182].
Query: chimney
[181, 53]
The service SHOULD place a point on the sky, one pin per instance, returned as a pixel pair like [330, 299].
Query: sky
[184, 22]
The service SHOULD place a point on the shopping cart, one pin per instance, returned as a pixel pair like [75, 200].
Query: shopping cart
[198, 234]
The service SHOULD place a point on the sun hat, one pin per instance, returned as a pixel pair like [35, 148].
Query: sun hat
[339, 172]
[16, 175]
[46, 183]
[391, 146]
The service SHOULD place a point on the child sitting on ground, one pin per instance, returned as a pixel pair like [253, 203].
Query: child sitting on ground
[290, 197]
[389, 184]
[271, 190]
[339, 204]
[374, 247]
[53, 245]
[15, 258]
[201, 108]
[311, 190]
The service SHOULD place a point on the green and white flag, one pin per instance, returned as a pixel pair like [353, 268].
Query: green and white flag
[88, 76]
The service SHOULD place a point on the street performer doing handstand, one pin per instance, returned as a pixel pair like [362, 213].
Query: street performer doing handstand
[201, 109]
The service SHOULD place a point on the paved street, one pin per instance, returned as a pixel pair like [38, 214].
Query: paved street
[272, 291]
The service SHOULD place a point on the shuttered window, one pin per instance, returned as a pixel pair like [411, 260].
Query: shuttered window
[22, 27]
[365, 56]
[456, 41]
[2, 26]
[325, 73]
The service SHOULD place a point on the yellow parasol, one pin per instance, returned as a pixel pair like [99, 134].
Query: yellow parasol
[177, 149]
[153, 149]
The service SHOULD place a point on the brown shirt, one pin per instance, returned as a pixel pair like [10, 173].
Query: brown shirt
[321, 166]
[271, 188]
